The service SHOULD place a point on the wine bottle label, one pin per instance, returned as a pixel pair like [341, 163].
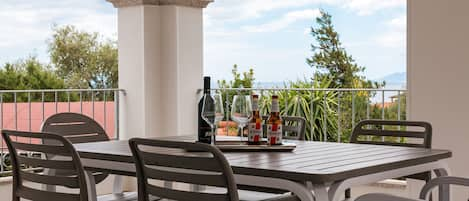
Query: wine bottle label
[255, 132]
[208, 133]
[274, 134]
[275, 106]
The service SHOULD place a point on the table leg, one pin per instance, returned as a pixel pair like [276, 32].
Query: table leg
[320, 192]
[443, 190]
[337, 188]
[117, 185]
[298, 189]
[118, 193]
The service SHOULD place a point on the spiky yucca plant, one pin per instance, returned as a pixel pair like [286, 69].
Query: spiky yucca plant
[316, 106]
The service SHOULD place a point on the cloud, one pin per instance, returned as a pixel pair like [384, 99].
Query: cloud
[29, 23]
[284, 21]
[238, 10]
[367, 7]
[398, 22]
[232, 11]
[223, 13]
[395, 36]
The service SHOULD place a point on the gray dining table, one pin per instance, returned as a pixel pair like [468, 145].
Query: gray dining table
[320, 170]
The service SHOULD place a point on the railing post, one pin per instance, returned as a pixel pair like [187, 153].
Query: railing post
[399, 110]
[227, 112]
[324, 123]
[43, 107]
[116, 115]
[1, 127]
[382, 111]
[398, 105]
[339, 114]
[81, 102]
[56, 99]
[16, 110]
[1, 111]
[311, 137]
[104, 108]
[368, 113]
[353, 109]
[285, 110]
[68, 100]
[92, 104]
[29, 115]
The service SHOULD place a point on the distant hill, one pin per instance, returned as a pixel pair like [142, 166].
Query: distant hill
[269, 84]
[395, 80]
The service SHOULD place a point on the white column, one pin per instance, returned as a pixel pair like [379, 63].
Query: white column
[438, 71]
[160, 65]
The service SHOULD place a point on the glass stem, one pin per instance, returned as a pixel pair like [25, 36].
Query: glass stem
[242, 133]
[214, 135]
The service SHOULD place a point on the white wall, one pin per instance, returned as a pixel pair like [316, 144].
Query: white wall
[160, 67]
[438, 71]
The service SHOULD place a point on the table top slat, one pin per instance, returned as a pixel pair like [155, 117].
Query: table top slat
[311, 161]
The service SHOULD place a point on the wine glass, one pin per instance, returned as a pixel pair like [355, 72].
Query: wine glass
[212, 112]
[241, 111]
[219, 111]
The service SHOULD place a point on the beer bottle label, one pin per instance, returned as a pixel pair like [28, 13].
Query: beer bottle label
[274, 134]
[255, 132]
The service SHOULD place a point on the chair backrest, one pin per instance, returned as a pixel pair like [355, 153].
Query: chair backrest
[293, 127]
[367, 132]
[168, 161]
[68, 160]
[75, 127]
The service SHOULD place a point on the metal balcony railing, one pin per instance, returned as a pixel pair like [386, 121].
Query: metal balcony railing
[330, 113]
[26, 110]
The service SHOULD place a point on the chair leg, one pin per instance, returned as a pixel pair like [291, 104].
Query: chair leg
[428, 179]
[91, 186]
[348, 193]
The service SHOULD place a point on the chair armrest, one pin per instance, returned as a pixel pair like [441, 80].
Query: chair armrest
[445, 180]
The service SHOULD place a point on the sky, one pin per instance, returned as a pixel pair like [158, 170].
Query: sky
[270, 36]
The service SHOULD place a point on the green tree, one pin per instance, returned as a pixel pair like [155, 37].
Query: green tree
[28, 74]
[82, 59]
[240, 80]
[332, 60]
[318, 107]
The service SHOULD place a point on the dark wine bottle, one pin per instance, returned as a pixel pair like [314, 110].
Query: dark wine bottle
[204, 129]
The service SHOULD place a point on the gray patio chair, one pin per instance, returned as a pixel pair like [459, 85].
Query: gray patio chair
[293, 127]
[208, 167]
[437, 182]
[374, 131]
[167, 161]
[22, 178]
[78, 128]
